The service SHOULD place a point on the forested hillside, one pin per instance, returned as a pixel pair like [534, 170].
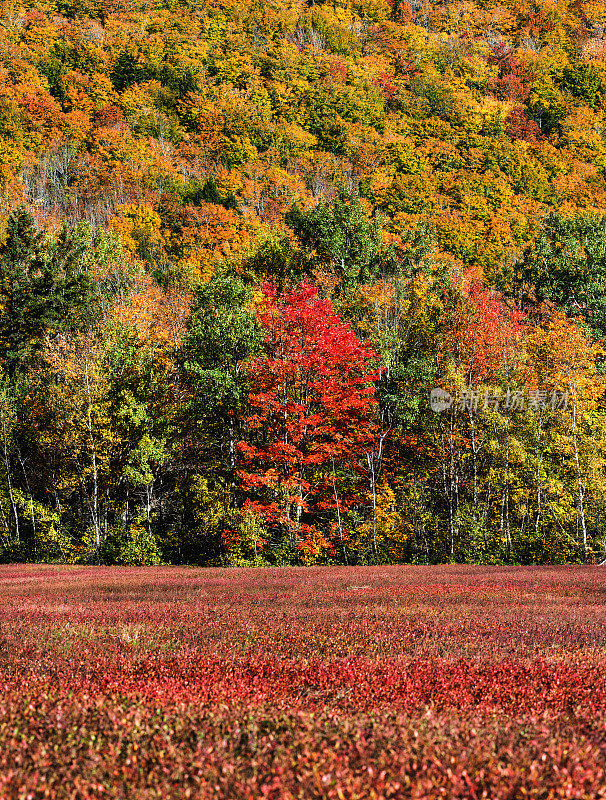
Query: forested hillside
[243, 241]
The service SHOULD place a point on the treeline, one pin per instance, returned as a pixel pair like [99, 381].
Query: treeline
[242, 243]
[263, 419]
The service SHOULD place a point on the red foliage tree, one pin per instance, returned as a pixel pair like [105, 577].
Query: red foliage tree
[310, 418]
[519, 126]
[515, 77]
[485, 332]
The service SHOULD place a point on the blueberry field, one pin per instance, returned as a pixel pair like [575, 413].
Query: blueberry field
[369, 682]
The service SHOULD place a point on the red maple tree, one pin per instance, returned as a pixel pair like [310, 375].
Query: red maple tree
[310, 418]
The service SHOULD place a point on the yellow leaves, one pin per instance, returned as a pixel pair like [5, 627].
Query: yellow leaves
[595, 14]
[402, 153]
[144, 97]
[198, 267]
[337, 25]
[477, 194]
[116, 148]
[562, 357]
[38, 33]
[269, 191]
[139, 227]
[517, 452]
[252, 110]
[458, 233]
[386, 515]
[199, 109]
[236, 70]
[380, 182]
[238, 150]
[11, 158]
[258, 300]
[282, 58]
[70, 393]
[548, 62]
[188, 53]
[215, 27]
[88, 92]
[314, 547]
[78, 393]
[385, 524]
[574, 191]
[201, 238]
[419, 287]
[28, 113]
[373, 10]
[382, 308]
[291, 137]
[156, 317]
[497, 246]
[228, 182]
[581, 133]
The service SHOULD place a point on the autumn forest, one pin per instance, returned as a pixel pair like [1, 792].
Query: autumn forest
[243, 243]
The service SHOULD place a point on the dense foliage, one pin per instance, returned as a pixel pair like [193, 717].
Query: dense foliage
[344, 683]
[241, 242]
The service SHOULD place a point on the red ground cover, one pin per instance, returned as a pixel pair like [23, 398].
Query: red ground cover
[374, 682]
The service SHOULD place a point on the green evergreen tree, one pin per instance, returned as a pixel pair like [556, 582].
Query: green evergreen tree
[41, 288]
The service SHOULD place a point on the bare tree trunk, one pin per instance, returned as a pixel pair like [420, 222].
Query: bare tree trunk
[8, 479]
[580, 485]
[373, 489]
[538, 476]
[374, 468]
[474, 453]
[95, 503]
[148, 503]
[334, 487]
[31, 499]
[508, 544]
[232, 461]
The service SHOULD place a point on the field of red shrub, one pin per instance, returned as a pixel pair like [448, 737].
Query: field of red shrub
[370, 682]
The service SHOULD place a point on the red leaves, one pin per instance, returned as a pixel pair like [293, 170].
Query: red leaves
[515, 76]
[389, 682]
[485, 332]
[385, 83]
[310, 408]
[33, 17]
[519, 126]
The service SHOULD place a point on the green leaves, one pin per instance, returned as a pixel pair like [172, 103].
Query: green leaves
[222, 333]
[583, 81]
[47, 285]
[565, 265]
[340, 236]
